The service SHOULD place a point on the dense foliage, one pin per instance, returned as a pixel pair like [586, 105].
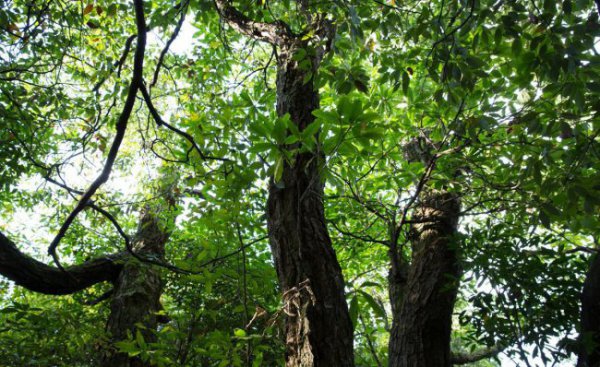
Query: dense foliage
[501, 97]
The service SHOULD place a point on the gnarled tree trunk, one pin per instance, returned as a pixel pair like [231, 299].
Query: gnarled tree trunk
[136, 296]
[137, 286]
[589, 352]
[422, 319]
[320, 334]
[318, 327]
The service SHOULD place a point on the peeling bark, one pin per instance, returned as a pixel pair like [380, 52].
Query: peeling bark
[422, 322]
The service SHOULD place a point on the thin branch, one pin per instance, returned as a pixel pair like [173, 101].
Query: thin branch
[457, 28]
[103, 297]
[121, 127]
[221, 258]
[358, 237]
[169, 42]
[370, 342]
[118, 64]
[160, 122]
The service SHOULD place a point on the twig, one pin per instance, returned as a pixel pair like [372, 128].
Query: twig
[160, 122]
[168, 44]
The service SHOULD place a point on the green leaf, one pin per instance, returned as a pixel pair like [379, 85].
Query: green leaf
[551, 210]
[299, 55]
[544, 219]
[139, 338]
[279, 132]
[371, 284]
[311, 129]
[375, 306]
[128, 347]
[258, 360]
[291, 139]
[278, 171]
[373, 133]
[326, 116]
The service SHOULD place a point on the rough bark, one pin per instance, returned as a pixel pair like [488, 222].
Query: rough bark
[318, 327]
[320, 334]
[39, 277]
[422, 325]
[136, 297]
[589, 355]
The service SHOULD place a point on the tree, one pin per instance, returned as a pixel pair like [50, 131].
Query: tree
[444, 151]
[318, 327]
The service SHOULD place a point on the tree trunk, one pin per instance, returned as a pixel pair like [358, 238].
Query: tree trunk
[422, 320]
[319, 330]
[589, 352]
[136, 294]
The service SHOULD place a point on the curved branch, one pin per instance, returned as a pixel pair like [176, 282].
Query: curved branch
[39, 277]
[169, 42]
[478, 355]
[136, 82]
[160, 122]
[276, 33]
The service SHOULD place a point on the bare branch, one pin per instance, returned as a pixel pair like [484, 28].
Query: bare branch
[118, 64]
[359, 237]
[166, 48]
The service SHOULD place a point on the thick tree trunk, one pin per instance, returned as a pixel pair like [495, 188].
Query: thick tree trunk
[589, 355]
[319, 332]
[136, 294]
[422, 320]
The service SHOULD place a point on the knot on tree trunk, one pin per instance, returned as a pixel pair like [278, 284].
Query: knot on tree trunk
[436, 217]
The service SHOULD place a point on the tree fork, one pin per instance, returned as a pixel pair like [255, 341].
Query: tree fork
[422, 321]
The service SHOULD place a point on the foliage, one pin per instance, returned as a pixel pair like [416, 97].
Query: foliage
[506, 91]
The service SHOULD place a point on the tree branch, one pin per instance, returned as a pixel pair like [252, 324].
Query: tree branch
[478, 355]
[166, 48]
[39, 277]
[276, 33]
[136, 82]
[160, 122]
